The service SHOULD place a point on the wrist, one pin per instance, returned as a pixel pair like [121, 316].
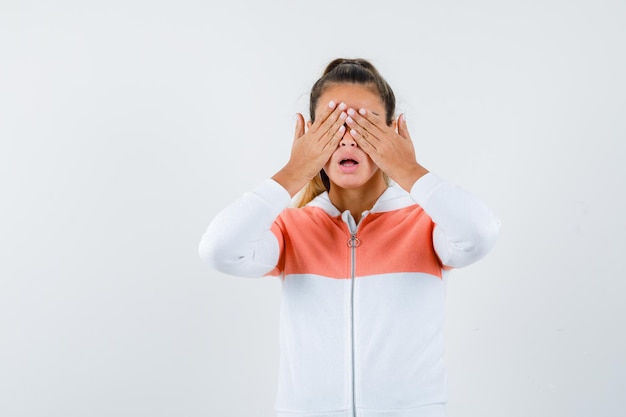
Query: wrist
[291, 179]
[409, 177]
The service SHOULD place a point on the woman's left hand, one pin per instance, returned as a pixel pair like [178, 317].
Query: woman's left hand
[392, 151]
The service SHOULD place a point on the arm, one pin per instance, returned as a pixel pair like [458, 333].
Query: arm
[465, 228]
[239, 241]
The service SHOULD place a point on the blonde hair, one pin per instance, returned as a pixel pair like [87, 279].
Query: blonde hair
[314, 188]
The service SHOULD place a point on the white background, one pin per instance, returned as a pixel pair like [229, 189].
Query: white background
[126, 125]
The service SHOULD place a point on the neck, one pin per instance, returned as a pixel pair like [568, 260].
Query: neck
[356, 200]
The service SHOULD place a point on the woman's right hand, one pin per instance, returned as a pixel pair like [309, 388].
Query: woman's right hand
[312, 149]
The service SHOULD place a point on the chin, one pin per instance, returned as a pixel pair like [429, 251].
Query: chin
[348, 186]
[351, 182]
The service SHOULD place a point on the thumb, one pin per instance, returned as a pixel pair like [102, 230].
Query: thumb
[403, 129]
[299, 126]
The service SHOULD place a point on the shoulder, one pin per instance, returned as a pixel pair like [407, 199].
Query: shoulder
[395, 199]
[299, 216]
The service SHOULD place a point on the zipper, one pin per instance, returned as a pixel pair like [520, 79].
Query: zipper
[353, 243]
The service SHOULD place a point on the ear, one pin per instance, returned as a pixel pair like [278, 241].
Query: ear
[394, 124]
[308, 125]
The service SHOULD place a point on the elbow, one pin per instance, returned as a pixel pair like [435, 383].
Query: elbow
[215, 253]
[222, 258]
[487, 237]
[217, 258]
[477, 244]
[210, 254]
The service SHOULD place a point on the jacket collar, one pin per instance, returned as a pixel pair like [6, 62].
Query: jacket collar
[393, 198]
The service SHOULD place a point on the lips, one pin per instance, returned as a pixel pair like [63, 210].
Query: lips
[349, 162]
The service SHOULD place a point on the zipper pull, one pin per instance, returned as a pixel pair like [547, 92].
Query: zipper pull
[354, 241]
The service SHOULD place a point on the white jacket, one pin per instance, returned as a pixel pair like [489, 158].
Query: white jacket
[362, 313]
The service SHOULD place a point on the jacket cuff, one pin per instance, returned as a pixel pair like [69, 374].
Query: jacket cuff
[424, 187]
[274, 195]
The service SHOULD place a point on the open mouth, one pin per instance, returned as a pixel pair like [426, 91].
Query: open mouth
[348, 162]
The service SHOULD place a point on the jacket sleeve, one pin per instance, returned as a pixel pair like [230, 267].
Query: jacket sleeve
[465, 229]
[239, 240]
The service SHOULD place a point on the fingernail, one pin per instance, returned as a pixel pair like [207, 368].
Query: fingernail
[342, 129]
[353, 132]
[404, 118]
[343, 115]
[363, 112]
[331, 105]
[349, 120]
[342, 106]
[351, 112]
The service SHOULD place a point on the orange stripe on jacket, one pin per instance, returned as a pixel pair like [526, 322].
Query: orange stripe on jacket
[311, 242]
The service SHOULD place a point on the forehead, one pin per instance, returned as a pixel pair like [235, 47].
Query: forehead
[354, 95]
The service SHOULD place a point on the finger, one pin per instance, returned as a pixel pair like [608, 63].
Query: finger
[362, 131]
[364, 141]
[372, 122]
[299, 126]
[320, 119]
[374, 118]
[333, 121]
[336, 138]
[333, 130]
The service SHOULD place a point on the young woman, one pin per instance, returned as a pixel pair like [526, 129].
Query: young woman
[363, 260]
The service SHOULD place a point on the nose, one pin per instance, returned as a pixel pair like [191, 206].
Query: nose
[347, 139]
